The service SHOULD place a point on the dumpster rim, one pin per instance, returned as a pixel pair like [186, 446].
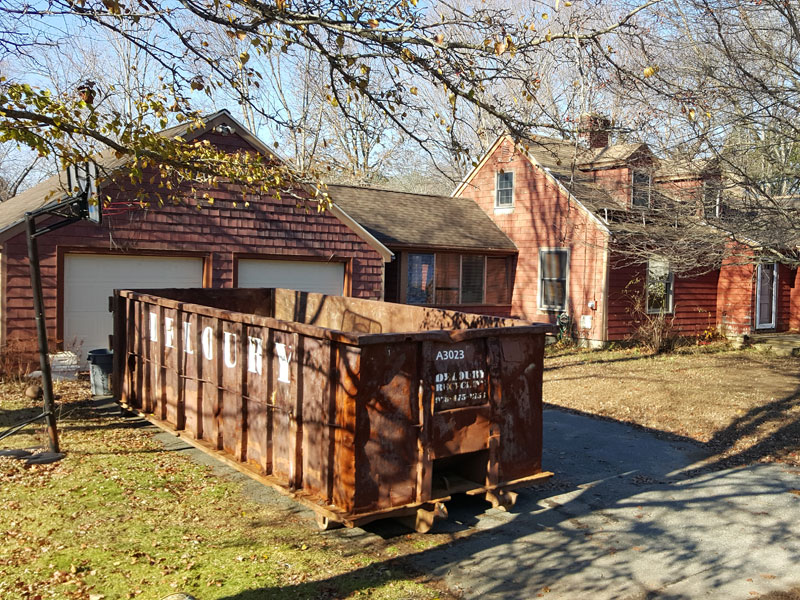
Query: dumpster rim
[358, 339]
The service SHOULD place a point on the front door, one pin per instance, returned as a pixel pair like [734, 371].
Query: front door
[766, 296]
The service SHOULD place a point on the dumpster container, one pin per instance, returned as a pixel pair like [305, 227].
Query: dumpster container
[100, 368]
[359, 409]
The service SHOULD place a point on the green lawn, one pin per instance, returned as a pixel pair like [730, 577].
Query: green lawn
[121, 517]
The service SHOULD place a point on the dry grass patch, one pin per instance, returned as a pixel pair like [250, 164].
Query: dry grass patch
[743, 405]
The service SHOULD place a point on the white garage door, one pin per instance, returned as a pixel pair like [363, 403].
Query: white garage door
[89, 279]
[306, 276]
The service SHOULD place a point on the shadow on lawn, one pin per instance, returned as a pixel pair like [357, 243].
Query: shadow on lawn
[604, 361]
[619, 494]
[780, 417]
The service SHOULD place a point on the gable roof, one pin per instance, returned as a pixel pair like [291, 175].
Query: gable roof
[54, 189]
[683, 169]
[51, 191]
[612, 156]
[570, 166]
[402, 219]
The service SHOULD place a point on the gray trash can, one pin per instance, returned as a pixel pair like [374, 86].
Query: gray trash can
[100, 365]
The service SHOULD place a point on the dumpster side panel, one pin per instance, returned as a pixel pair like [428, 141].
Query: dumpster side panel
[190, 359]
[366, 423]
[317, 443]
[386, 437]
[156, 361]
[142, 349]
[132, 357]
[233, 369]
[209, 384]
[256, 397]
[519, 412]
[461, 419]
[286, 416]
[173, 397]
[347, 360]
[134, 365]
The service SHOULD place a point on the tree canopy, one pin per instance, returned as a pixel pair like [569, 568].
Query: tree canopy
[413, 67]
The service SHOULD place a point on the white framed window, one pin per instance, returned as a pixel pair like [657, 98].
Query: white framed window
[660, 284]
[641, 183]
[553, 277]
[504, 190]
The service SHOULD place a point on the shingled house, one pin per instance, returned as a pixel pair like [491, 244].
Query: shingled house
[267, 242]
[561, 203]
[448, 252]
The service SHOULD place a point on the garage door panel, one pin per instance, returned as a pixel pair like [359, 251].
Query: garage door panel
[89, 279]
[306, 276]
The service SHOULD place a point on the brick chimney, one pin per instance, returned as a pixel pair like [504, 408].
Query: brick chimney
[593, 129]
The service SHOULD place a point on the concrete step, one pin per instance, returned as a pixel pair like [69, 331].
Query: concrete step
[781, 345]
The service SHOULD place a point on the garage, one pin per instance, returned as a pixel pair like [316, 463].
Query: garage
[89, 279]
[270, 240]
[303, 275]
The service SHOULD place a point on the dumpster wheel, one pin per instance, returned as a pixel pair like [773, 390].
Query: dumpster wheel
[324, 523]
[422, 520]
[501, 499]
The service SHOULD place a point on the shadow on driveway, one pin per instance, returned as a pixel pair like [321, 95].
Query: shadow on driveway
[628, 515]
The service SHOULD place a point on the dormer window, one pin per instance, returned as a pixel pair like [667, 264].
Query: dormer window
[640, 189]
[504, 194]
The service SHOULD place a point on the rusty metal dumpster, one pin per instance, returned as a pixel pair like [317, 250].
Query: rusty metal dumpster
[358, 409]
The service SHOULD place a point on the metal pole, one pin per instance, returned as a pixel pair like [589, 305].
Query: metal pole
[41, 332]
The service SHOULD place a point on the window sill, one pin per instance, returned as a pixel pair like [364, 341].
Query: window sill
[551, 309]
[503, 210]
[659, 312]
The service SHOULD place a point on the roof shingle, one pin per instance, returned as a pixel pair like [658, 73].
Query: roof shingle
[402, 219]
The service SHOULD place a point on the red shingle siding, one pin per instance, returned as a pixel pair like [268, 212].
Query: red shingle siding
[736, 298]
[268, 228]
[793, 278]
[694, 301]
[617, 182]
[543, 217]
[786, 283]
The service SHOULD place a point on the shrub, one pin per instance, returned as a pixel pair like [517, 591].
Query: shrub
[655, 331]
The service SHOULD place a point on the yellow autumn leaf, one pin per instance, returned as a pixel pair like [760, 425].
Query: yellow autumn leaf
[650, 71]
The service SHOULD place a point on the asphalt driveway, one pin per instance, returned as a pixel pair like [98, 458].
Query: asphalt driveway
[629, 516]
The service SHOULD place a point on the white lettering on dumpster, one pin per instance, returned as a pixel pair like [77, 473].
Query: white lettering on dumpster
[153, 327]
[187, 337]
[450, 355]
[254, 351]
[169, 332]
[284, 353]
[229, 349]
[207, 340]
[455, 389]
